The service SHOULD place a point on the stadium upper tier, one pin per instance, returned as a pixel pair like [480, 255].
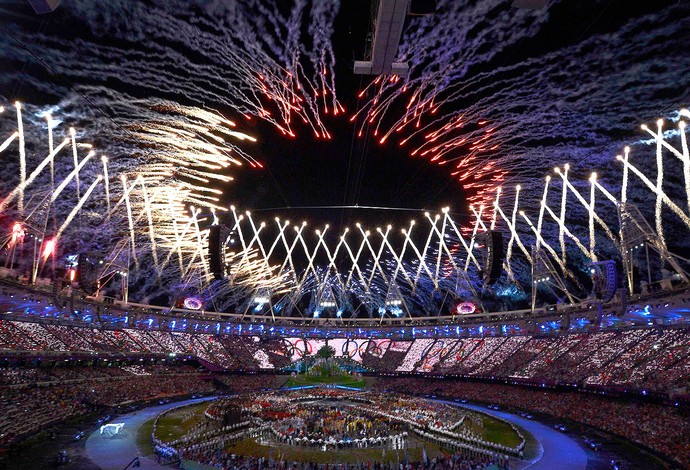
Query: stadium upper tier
[652, 357]
[43, 300]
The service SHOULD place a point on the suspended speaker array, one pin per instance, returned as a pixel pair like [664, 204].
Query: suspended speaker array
[217, 237]
[491, 246]
[604, 279]
[88, 271]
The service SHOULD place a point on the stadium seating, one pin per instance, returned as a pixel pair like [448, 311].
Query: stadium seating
[637, 421]
[652, 359]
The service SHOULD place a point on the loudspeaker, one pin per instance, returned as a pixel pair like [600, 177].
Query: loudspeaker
[493, 255]
[42, 7]
[88, 269]
[604, 279]
[215, 251]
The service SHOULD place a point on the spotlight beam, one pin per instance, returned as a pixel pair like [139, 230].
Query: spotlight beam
[288, 256]
[564, 200]
[422, 257]
[9, 140]
[542, 207]
[179, 237]
[71, 176]
[570, 235]
[659, 185]
[355, 265]
[128, 205]
[495, 213]
[512, 229]
[590, 221]
[75, 157]
[399, 258]
[22, 159]
[149, 219]
[332, 257]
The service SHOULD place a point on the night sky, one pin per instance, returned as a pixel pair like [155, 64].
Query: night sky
[570, 82]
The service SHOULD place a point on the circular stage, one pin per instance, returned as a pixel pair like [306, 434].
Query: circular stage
[329, 425]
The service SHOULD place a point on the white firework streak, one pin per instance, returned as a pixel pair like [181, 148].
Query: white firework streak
[158, 215]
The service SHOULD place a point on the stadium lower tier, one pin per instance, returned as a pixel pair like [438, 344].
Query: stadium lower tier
[665, 429]
[649, 360]
[32, 398]
[40, 398]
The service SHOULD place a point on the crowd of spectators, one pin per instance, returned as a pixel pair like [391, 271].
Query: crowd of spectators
[52, 374]
[413, 358]
[655, 359]
[642, 359]
[268, 353]
[247, 383]
[141, 388]
[457, 461]
[651, 359]
[20, 375]
[26, 410]
[33, 398]
[662, 428]
[231, 353]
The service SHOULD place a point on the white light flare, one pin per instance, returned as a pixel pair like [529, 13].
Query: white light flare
[22, 157]
[77, 207]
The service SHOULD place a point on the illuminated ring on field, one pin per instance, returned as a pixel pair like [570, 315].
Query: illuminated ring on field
[345, 348]
[437, 350]
[294, 351]
[428, 349]
[366, 344]
[379, 347]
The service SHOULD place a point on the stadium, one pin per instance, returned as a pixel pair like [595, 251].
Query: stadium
[381, 234]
